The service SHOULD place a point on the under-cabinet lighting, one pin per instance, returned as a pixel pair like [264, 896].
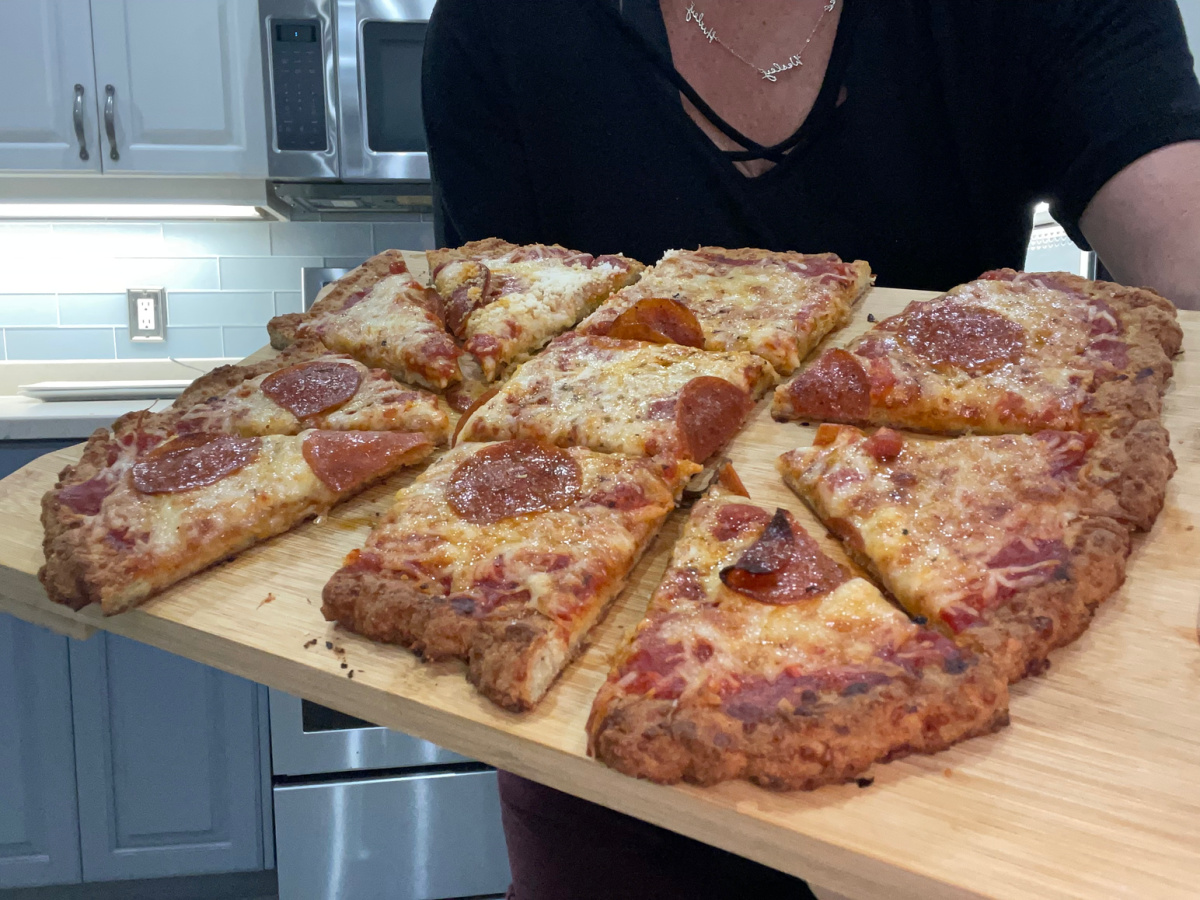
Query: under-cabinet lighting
[127, 211]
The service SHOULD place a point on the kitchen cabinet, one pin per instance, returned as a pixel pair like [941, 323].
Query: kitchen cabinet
[48, 108]
[39, 822]
[168, 761]
[167, 88]
[185, 83]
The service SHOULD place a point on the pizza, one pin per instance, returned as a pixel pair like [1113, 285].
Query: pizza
[119, 527]
[773, 304]
[304, 387]
[1008, 543]
[504, 555]
[1011, 352]
[504, 301]
[761, 658]
[668, 401]
[383, 317]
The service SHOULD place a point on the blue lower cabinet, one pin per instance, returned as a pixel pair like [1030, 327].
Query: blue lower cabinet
[168, 761]
[39, 825]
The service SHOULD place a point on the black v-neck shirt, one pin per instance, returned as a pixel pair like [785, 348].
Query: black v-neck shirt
[561, 121]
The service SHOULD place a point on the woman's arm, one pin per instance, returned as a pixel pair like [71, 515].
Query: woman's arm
[1145, 223]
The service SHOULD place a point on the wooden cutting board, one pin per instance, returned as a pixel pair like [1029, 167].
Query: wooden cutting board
[1093, 792]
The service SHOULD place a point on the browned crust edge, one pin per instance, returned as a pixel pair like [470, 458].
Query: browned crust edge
[1130, 471]
[502, 650]
[223, 379]
[668, 742]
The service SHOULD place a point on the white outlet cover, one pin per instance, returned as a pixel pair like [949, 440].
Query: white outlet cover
[147, 314]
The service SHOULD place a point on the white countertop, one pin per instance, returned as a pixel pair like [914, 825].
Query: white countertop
[23, 418]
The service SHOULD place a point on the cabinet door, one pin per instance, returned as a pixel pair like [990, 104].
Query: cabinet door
[167, 756]
[186, 86]
[39, 824]
[45, 64]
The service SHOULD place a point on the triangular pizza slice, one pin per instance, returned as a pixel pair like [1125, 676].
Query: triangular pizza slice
[1006, 542]
[761, 658]
[1011, 352]
[142, 523]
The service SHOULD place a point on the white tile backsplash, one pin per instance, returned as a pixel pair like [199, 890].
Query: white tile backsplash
[28, 310]
[225, 308]
[63, 295]
[276, 273]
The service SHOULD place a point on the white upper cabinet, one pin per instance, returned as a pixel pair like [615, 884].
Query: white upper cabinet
[180, 86]
[163, 87]
[48, 110]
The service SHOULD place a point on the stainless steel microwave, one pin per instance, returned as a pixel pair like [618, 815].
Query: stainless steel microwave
[343, 89]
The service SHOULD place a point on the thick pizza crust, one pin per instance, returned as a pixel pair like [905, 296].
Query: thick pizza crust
[835, 740]
[1020, 633]
[1130, 472]
[513, 654]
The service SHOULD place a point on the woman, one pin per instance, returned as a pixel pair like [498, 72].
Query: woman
[915, 134]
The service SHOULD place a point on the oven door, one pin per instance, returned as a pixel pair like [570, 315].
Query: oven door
[308, 739]
[380, 43]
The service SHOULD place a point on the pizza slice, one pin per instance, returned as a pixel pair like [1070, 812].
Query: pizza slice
[504, 555]
[316, 389]
[675, 403]
[1008, 353]
[1007, 543]
[761, 658]
[134, 528]
[504, 301]
[776, 305]
[380, 315]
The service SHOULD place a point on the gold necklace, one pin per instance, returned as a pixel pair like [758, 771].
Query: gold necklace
[771, 72]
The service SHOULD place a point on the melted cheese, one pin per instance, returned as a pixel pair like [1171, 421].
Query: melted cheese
[931, 542]
[391, 329]
[556, 298]
[600, 394]
[848, 626]
[423, 535]
[766, 309]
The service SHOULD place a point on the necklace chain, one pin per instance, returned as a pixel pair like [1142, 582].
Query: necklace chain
[773, 71]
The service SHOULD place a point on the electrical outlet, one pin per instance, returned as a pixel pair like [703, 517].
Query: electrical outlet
[147, 314]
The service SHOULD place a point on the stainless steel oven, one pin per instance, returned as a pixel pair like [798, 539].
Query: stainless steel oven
[363, 812]
[343, 89]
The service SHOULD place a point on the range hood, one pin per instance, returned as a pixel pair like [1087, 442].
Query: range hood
[300, 200]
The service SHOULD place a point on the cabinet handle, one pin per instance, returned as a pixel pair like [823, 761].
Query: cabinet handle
[77, 116]
[110, 124]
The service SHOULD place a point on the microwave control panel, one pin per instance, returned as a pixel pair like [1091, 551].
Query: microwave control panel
[298, 76]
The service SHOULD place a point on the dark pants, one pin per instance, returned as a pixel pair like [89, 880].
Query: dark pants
[563, 848]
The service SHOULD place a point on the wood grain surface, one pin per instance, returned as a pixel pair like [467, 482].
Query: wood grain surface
[1093, 792]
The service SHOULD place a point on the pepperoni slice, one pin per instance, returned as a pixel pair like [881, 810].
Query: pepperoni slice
[197, 460]
[728, 478]
[973, 338]
[86, 497]
[834, 387]
[659, 320]
[344, 460]
[470, 410]
[310, 388]
[466, 298]
[784, 565]
[709, 412]
[511, 478]
[884, 445]
[735, 519]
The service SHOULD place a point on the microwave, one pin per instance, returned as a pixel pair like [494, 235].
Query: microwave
[343, 90]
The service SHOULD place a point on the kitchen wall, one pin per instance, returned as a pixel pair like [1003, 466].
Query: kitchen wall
[62, 285]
